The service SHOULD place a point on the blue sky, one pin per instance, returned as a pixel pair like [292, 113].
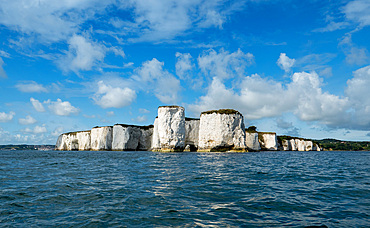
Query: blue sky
[300, 68]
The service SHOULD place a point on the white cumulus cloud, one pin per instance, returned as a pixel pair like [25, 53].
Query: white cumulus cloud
[28, 120]
[359, 96]
[6, 117]
[285, 63]
[259, 97]
[164, 20]
[314, 104]
[39, 129]
[62, 108]
[35, 130]
[30, 87]
[109, 96]
[184, 65]
[224, 65]
[83, 54]
[49, 21]
[152, 75]
[37, 105]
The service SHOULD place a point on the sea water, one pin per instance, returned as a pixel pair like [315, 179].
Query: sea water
[149, 189]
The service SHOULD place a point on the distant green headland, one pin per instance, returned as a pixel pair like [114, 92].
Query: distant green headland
[27, 147]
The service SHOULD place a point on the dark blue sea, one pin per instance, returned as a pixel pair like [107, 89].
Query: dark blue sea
[150, 189]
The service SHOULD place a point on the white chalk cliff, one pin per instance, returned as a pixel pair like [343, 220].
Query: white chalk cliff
[131, 137]
[74, 141]
[191, 133]
[221, 129]
[216, 130]
[101, 138]
[297, 144]
[125, 137]
[251, 141]
[169, 127]
[268, 140]
[84, 140]
[145, 140]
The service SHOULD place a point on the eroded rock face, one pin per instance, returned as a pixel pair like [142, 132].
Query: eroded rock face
[300, 145]
[191, 133]
[67, 141]
[145, 140]
[316, 147]
[221, 130]
[155, 145]
[84, 140]
[251, 141]
[293, 145]
[286, 145]
[171, 128]
[268, 140]
[60, 143]
[308, 145]
[101, 138]
[125, 137]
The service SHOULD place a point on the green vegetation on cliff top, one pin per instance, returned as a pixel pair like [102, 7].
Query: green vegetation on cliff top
[251, 129]
[222, 111]
[138, 126]
[170, 106]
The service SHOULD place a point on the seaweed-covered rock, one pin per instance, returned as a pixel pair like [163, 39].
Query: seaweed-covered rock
[221, 130]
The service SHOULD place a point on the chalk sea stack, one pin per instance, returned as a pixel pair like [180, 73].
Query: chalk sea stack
[268, 140]
[169, 129]
[221, 130]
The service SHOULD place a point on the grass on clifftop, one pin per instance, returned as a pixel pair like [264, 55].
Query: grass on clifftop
[75, 132]
[222, 111]
[287, 137]
[251, 129]
[170, 106]
[137, 126]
